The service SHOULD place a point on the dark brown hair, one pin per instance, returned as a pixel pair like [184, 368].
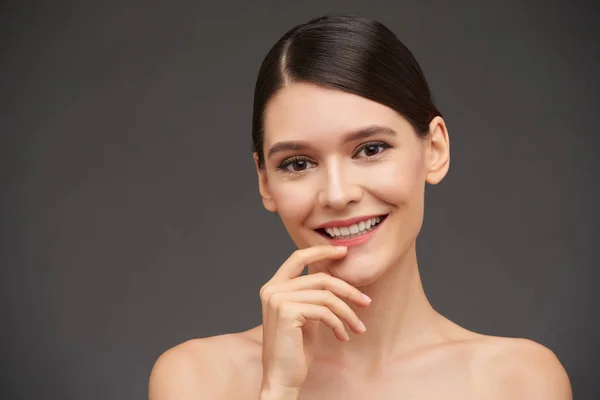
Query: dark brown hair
[352, 54]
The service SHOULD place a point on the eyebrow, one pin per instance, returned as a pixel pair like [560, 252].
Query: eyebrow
[362, 133]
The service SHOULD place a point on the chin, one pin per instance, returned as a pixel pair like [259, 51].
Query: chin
[358, 269]
[356, 280]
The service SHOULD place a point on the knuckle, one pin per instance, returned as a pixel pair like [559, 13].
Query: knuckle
[330, 297]
[337, 323]
[262, 290]
[275, 300]
[287, 311]
[330, 315]
[328, 282]
[266, 292]
[296, 254]
[322, 278]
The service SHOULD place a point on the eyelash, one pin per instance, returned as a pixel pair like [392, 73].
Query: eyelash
[286, 163]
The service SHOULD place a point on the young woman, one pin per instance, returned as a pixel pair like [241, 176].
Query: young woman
[345, 138]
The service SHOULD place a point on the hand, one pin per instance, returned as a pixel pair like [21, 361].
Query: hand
[293, 306]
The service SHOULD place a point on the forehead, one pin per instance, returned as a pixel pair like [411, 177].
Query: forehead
[304, 111]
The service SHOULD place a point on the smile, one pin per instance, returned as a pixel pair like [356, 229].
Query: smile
[357, 229]
[353, 234]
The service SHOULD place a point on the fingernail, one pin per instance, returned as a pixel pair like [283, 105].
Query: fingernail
[367, 298]
[362, 326]
[340, 248]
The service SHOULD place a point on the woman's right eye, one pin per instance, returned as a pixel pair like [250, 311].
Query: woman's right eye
[295, 165]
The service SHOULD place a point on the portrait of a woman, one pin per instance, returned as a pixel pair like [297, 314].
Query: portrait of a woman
[346, 137]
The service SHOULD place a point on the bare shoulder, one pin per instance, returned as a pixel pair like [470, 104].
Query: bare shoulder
[516, 368]
[205, 368]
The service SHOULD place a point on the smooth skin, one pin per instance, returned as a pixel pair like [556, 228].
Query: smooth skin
[301, 350]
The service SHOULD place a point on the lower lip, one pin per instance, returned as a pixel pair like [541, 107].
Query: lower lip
[355, 241]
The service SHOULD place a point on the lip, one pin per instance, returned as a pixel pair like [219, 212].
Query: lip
[355, 241]
[347, 222]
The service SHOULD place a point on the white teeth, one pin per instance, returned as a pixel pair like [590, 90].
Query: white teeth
[354, 229]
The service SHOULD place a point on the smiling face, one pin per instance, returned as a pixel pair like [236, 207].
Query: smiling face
[342, 169]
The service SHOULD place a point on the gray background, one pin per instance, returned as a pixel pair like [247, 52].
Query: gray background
[131, 219]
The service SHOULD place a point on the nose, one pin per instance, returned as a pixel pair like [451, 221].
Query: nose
[337, 188]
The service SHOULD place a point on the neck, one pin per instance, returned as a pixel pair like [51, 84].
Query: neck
[399, 319]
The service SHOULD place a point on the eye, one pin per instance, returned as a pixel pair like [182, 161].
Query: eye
[372, 149]
[295, 165]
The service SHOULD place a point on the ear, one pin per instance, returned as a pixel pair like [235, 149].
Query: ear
[437, 151]
[263, 187]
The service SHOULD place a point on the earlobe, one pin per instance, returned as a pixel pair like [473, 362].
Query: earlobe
[263, 186]
[438, 151]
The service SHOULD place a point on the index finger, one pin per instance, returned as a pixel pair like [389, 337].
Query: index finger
[295, 264]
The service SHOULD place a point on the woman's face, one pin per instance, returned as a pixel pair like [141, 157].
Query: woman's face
[334, 158]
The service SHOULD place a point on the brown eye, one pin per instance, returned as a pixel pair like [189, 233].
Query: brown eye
[295, 165]
[298, 165]
[373, 149]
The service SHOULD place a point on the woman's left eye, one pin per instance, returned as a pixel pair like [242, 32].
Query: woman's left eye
[372, 149]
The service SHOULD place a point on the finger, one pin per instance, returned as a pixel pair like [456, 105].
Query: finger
[300, 313]
[323, 281]
[323, 298]
[295, 264]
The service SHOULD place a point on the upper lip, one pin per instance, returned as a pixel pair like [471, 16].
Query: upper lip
[346, 222]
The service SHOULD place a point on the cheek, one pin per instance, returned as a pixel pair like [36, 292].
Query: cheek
[294, 200]
[402, 185]
[399, 182]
